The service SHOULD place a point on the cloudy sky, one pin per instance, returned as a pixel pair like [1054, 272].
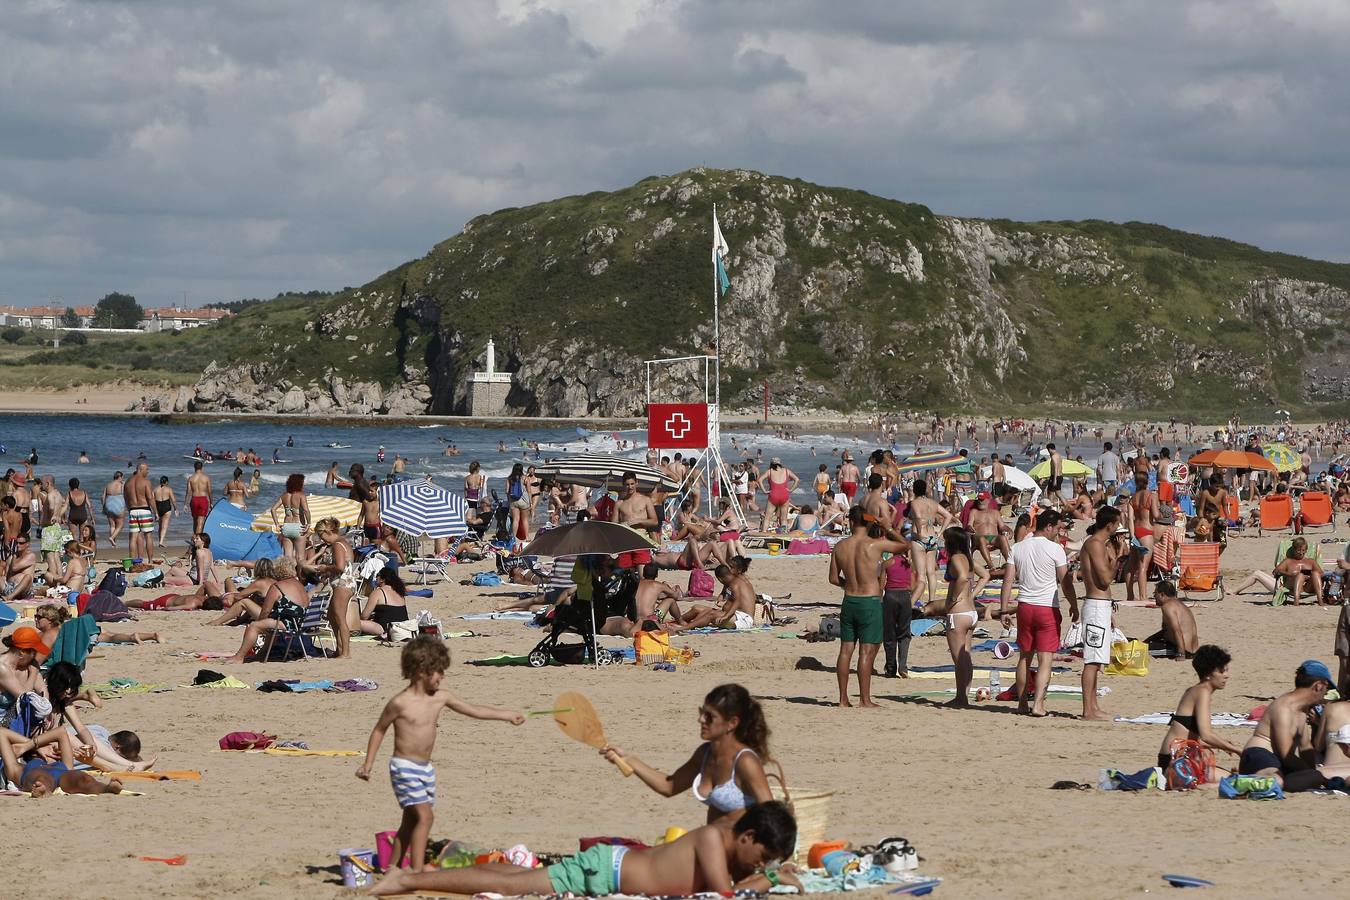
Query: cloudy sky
[243, 147]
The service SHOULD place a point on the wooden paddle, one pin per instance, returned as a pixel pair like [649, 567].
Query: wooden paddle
[579, 721]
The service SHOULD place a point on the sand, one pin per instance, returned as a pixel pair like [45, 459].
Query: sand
[96, 399]
[970, 788]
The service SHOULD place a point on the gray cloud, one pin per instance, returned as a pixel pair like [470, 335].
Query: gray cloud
[242, 147]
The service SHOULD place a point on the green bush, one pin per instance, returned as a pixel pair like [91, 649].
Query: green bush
[12, 335]
[77, 338]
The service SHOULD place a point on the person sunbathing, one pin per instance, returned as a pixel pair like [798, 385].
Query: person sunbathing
[64, 689]
[41, 776]
[244, 605]
[721, 857]
[1333, 734]
[696, 554]
[1191, 721]
[1296, 570]
[284, 606]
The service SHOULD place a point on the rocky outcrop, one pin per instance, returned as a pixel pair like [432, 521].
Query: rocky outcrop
[840, 300]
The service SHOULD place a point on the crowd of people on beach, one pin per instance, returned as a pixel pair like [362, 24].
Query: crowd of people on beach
[963, 541]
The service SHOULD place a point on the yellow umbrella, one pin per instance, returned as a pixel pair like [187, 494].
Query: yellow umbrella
[1283, 456]
[321, 506]
[1069, 468]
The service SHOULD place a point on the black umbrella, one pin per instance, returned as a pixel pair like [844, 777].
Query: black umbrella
[590, 536]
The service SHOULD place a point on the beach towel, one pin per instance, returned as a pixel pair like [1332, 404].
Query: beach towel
[1163, 718]
[920, 627]
[297, 751]
[229, 681]
[513, 615]
[105, 606]
[168, 775]
[119, 687]
[73, 642]
[1250, 787]
[292, 686]
[802, 548]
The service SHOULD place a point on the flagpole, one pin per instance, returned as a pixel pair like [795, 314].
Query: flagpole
[714, 433]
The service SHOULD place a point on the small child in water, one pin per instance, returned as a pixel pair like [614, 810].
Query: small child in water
[413, 713]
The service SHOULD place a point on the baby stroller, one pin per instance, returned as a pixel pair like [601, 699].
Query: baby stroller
[612, 597]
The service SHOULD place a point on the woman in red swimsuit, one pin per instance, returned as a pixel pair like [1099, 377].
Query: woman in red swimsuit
[780, 492]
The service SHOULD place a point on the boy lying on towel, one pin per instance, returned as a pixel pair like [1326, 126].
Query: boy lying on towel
[719, 857]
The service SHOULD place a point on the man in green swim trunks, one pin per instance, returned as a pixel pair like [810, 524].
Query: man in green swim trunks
[855, 565]
[721, 857]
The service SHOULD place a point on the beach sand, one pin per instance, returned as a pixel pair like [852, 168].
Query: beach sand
[970, 788]
[99, 399]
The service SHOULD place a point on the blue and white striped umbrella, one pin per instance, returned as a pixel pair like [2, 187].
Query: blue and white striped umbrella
[419, 507]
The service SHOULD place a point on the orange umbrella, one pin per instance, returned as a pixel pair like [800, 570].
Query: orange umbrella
[1232, 459]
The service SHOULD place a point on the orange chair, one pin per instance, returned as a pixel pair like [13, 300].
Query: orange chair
[1277, 513]
[1316, 510]
[1232, 513]
[1198, 568]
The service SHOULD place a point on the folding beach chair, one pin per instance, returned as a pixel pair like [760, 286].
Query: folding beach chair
[428, 567]
[1198, 569]
[1277, 513]
[1232, 514]
[1281, 595]
[1315, 511]
[312, 628]
[1163, 558]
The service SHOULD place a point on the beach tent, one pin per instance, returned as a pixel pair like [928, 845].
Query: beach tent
[1013, 477]
[1070, 468]
[233, 537]
[321, 506]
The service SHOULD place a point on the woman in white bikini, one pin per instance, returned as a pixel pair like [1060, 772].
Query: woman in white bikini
[726, 773]
[958, 607]
[335, 563]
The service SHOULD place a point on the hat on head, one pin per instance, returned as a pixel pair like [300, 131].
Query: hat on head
[26, 637]
[848, 457]
[1316, 669]
[18, 478]
[775, 461]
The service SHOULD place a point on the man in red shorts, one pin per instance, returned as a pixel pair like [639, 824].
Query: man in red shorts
[1037, 565]
[198, 496]
[849, 477]
[637, 511]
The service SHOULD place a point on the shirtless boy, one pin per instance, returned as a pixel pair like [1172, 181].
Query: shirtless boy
[413, 714]
[990, 532]
[855, 566]
[721, 857]
[737, 612]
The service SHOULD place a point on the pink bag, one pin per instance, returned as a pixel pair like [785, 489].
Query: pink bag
[700, 583]
[247, 740]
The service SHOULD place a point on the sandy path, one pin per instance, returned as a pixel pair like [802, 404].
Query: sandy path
[970, 788]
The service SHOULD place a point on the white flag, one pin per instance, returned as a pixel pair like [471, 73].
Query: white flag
[719, 247]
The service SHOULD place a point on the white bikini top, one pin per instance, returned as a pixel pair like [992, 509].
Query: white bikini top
[727, 796]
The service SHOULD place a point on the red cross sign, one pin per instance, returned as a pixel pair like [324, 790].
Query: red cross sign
[677, 426]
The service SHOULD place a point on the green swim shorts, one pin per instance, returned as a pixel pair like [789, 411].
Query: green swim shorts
[860, 620]
[593, 872]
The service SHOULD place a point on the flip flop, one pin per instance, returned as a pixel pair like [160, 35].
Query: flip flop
[1183, 881]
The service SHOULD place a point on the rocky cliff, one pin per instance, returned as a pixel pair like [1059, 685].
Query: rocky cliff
[840, 300]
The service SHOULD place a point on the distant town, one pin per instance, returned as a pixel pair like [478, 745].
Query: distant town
[81, 318]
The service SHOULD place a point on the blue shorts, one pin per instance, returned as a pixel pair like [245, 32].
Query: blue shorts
[414, 782]
[55, 769]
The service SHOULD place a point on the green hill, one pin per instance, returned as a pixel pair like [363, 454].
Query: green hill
[840, 299]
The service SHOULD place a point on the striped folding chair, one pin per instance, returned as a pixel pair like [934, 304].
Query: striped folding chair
[1198, 569]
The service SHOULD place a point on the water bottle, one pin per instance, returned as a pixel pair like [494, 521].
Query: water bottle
[994, 687]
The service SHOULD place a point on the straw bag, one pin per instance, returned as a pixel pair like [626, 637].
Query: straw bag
[810, 808]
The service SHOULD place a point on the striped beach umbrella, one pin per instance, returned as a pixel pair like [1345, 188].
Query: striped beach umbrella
[321, 506]
[601, 470]
[420, 507]
[930, 459]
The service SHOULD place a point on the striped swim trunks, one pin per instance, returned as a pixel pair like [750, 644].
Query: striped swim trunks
[141, 520]
[414, 782]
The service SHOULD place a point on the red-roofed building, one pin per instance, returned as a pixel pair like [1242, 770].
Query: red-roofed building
[172, 318]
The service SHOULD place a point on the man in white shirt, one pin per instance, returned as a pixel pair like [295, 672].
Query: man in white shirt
[1038, 564]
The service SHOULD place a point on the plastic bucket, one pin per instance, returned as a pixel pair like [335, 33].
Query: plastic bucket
[358, 867]
[384, 850]
[1002, 650]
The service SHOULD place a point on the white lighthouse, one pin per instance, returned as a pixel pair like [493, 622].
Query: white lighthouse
[488, 389]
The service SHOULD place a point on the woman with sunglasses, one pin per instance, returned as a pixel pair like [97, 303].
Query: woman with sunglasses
[726, 773]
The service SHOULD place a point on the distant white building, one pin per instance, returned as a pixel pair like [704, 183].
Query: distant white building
[173, 318]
